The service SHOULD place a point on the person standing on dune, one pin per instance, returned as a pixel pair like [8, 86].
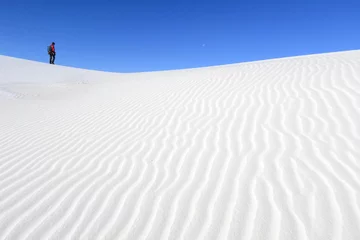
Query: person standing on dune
[52, 53]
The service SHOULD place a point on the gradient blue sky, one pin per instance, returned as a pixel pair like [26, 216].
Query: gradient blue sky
[132, 35]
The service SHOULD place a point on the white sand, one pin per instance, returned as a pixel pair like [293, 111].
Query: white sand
[261, 150]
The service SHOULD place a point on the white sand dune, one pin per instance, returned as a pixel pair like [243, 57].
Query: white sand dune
[259, 150]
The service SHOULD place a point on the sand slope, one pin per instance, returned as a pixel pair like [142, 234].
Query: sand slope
[260, 150]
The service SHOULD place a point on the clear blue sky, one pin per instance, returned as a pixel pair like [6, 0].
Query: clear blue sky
[133, 35]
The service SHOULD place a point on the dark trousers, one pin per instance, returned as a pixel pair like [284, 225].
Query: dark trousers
[52, 57]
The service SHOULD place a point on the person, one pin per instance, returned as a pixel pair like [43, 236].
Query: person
[52, 53]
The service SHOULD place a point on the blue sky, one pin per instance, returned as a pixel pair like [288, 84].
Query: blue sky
[132, 35]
